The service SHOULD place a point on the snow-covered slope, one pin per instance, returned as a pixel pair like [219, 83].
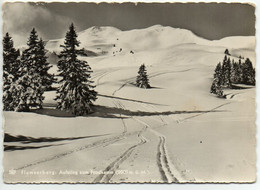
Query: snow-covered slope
[112, 40]
[176, 128]
[156, 37]
[242, 42]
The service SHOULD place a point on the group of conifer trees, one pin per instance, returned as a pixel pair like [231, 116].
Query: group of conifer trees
[26, 76]
[229, 73]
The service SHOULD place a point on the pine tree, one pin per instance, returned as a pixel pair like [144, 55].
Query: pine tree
[224, 62]
[226, 72]
[11, 65]
[248, 73]
[10, 56]
[43, 66]
[216, 87]
[234, 75]
[76, 92]
[30, 84]
[239, 72]
[142, 78]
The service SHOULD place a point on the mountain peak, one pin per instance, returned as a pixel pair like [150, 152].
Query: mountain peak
[157, 36]
[97, 29]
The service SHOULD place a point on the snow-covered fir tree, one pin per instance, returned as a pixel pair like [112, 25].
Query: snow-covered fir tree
[236, 73]
[43, 66]
[11, 64]
[29, 90]
[36, 56]
[234, 77]
[239, 72]
[248, 72]
[243, 73]
[76, 92]
[30, 83]
[142, 80]
[226, 72]
[10, 56]
[216, 87]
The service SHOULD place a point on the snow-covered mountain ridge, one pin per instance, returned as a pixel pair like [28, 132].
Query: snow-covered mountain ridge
[109, 39]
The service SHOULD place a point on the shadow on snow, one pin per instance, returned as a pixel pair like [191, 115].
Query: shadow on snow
[131, 100]
[107, 112]
[113, 112]
[26, 140]
[13, 147]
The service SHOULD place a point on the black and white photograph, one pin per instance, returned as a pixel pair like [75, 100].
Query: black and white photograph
[128, 92]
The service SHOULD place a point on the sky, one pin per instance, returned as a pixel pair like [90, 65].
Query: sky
[208, 20]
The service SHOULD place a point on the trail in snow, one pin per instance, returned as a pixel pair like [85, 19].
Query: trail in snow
[151, 75]
[163, 159]
[98, 74]
[100, 77]
[213, 109]
[103, 142]
[122, 119]
[103, 74]
[152, 109]
[167, 169]
[163, 163]
[162, 156]
[109, 172]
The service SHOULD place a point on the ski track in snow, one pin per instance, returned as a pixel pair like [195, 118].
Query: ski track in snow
[166, 168]
[103, 74]
[123, 85]
[98, 74]
[152, 109]
[100, 77]
[163, 159]
[122, 119]
[169, 173]
[135, 138]
[163, 163]
[213, 109]
[155, 74]
[109, 172]
[103, 142]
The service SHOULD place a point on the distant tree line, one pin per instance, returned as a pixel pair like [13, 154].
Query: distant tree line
[230, 72]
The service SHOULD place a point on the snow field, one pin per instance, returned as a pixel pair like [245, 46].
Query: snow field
[176, 124]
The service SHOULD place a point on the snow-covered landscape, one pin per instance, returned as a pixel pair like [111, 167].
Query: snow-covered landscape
[174, 132]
